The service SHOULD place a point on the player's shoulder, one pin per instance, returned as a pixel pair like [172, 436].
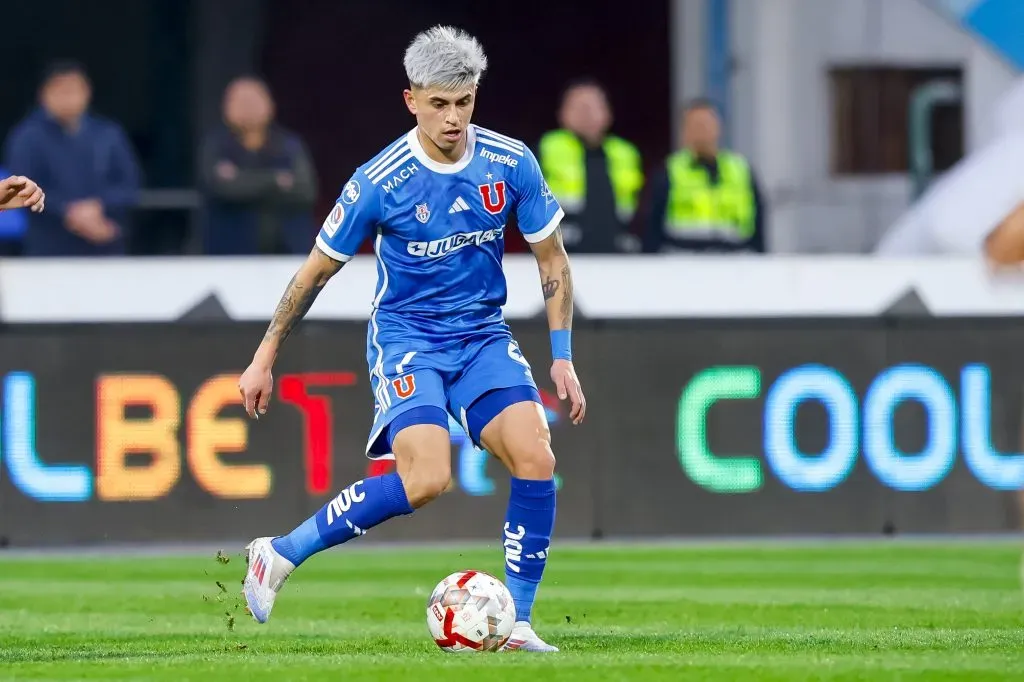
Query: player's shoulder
[500, 143]
[488, 136]
[497, 148]
[365, 181]
[390, 154]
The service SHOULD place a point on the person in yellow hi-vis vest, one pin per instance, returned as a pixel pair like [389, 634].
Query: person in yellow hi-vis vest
[596, 177]
[707, 199]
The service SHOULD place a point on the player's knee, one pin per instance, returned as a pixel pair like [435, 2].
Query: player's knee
[424, 462]
[425, 483]
[534, 461]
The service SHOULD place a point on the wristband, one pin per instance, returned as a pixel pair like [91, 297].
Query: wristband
[561, 344]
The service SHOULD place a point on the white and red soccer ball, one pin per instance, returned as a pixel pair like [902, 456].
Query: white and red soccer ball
[470, 611]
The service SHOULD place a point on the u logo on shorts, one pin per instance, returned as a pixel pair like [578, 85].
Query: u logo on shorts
[405, 386]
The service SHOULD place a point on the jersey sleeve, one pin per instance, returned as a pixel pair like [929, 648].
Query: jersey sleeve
[537, 209]
[353, 219]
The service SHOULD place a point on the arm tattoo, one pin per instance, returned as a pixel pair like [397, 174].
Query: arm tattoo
[297, 299]
[294, 304]
[550, 287]
[566, 308]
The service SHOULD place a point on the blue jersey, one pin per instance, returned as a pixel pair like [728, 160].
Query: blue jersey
[438, 233]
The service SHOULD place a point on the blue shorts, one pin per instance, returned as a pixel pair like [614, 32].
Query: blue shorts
[472, 381]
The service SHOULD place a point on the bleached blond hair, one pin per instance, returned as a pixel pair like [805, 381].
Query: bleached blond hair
[444, 57]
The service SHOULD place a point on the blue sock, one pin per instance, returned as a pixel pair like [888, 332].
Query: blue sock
[358, 508]
[528, 525]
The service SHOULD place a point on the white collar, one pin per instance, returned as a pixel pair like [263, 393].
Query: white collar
[445, 168]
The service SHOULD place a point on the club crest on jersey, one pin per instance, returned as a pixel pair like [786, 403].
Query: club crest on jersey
[545, 192]
[422, 213]
[350, 194]
[493, 195]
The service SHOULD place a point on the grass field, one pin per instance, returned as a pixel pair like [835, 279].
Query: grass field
[744, 612]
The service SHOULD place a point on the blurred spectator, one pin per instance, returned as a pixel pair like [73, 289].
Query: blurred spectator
[12, 227]
[707, 199]
[258, 179]
[596, 177]
[86, 164]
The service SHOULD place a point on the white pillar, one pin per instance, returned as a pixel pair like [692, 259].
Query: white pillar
[687, 19]
[767, 111]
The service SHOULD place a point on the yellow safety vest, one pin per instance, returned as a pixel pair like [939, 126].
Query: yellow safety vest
[562, 160]
[698, 209]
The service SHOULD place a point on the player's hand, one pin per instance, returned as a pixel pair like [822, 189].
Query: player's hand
[567, 384]
[18, 191]
[32, 195]
[256, 386]
[8, 190]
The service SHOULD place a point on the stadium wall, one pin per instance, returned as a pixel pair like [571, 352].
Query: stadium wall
[782, 109]
[133, 432]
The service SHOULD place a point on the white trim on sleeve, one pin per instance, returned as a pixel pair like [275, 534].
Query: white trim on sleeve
[321, 244]
[543, 234]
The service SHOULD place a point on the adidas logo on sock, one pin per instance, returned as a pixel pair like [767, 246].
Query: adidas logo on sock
[459, 205]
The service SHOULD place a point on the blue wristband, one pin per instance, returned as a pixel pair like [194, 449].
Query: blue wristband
[561, 344]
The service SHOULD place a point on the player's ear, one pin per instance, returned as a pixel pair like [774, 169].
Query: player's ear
[410, 101]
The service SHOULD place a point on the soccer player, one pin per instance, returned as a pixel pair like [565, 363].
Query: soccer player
[18, 191]
[436, 202]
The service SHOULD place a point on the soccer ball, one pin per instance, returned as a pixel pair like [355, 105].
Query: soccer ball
[470, 611]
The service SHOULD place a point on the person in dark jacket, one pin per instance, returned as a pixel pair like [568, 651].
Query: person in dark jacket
[86, 164]
[258, 180]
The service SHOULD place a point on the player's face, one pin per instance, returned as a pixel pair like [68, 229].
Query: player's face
[701, 130]
[442, 115]
[66, 96]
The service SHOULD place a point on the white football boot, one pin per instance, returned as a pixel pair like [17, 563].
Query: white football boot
[525, 639]
[266, 574]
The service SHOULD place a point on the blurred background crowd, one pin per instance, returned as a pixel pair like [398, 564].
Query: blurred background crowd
[227, 127]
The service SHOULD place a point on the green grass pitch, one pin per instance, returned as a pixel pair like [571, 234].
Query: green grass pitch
[841, 611]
